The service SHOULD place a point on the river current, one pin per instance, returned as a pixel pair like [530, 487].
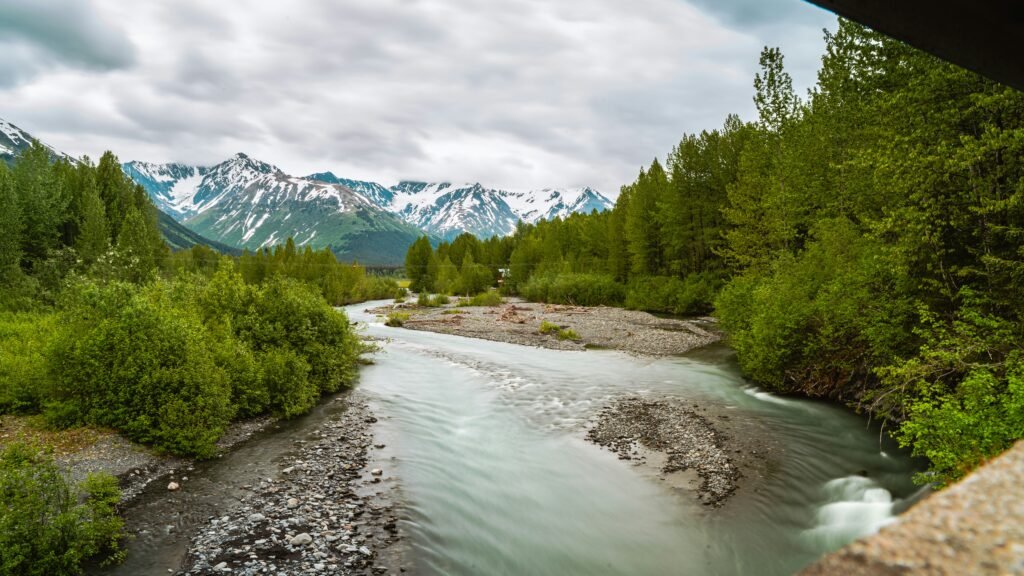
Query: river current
[486, 439]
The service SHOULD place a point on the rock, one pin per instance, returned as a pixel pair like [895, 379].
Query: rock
[257, 517]
[173, 487]
[376, 472]
[301, 539]
[293, 503]
[223, 566]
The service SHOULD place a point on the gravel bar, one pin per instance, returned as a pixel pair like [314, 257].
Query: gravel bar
[686, 438]
[311, 518]
[518, 322]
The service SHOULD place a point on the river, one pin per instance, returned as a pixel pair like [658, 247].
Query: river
[487, 441]
[484, 442]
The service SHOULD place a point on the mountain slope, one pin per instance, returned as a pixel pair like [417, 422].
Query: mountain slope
[13, 140]
[250, 204]
[447, 210]
[179, 237]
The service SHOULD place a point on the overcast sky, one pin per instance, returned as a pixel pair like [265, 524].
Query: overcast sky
[511, 93]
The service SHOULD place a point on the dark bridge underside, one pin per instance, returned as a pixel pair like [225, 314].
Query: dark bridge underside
[986, 36]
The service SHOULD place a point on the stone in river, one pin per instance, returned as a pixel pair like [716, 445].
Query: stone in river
[173, 486]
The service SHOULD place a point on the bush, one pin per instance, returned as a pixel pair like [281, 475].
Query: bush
[286, 376]
[489, 298]
[548, 328]
[24, 381]
[427, 301]
[48, 528]
[568, 334]
[575, 289]
[396, 319]
[129, 358]
[691, 295]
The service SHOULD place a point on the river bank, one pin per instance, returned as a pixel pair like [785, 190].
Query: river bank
[518, 322]
[322, 513]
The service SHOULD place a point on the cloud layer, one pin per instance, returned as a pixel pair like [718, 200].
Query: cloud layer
[518, 93]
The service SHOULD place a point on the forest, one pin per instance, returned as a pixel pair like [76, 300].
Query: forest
[860, 243]
[102, 325]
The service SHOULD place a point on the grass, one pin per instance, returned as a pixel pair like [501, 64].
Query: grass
[396, 319]
[427, 301]
[453, 311]
[559, 332]
[489, 298]
[33, 430]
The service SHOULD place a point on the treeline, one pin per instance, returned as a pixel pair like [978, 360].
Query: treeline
[102, 325]
[861, 243]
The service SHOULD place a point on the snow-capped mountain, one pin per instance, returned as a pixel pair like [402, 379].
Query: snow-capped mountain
[446, 210]
[13, 140]
[251, 204]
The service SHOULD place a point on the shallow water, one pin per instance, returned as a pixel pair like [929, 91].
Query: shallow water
[486, 439]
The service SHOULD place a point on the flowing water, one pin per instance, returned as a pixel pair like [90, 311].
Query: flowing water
[487, 440]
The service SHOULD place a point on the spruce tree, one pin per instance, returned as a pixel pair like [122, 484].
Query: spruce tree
[93, 233]
[11, 226]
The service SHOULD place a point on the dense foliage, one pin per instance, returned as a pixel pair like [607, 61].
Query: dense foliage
[101, 324]
[47, 526]
[863, 244]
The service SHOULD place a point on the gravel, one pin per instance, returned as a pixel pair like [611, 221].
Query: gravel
[518, 322]
[311, 518]
[136, 466]
[687, 439]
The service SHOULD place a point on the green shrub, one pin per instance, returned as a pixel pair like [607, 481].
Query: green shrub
[432, 301]
[548, 328]
[401, 294]
[24, 382]
[489, 298]
[568, 334]
[692, 295]
[286, 376]
[128, 358]
[575, 289]
[48, 528]
[396, 319]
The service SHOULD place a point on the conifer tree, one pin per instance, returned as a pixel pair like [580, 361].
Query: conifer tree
[93, 234]
[11, 225]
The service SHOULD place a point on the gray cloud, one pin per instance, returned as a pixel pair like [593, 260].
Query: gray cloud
[37, 35]
[519, 93]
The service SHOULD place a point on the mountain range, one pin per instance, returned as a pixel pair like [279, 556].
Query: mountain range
[246, 203]
[251, 204]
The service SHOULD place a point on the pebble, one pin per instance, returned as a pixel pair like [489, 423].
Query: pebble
[173, 486]
[337, 531]
[687, 438]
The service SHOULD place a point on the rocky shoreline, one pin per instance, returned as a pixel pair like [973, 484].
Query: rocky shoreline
[518, 322]
[322, 514]
[633, 428]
